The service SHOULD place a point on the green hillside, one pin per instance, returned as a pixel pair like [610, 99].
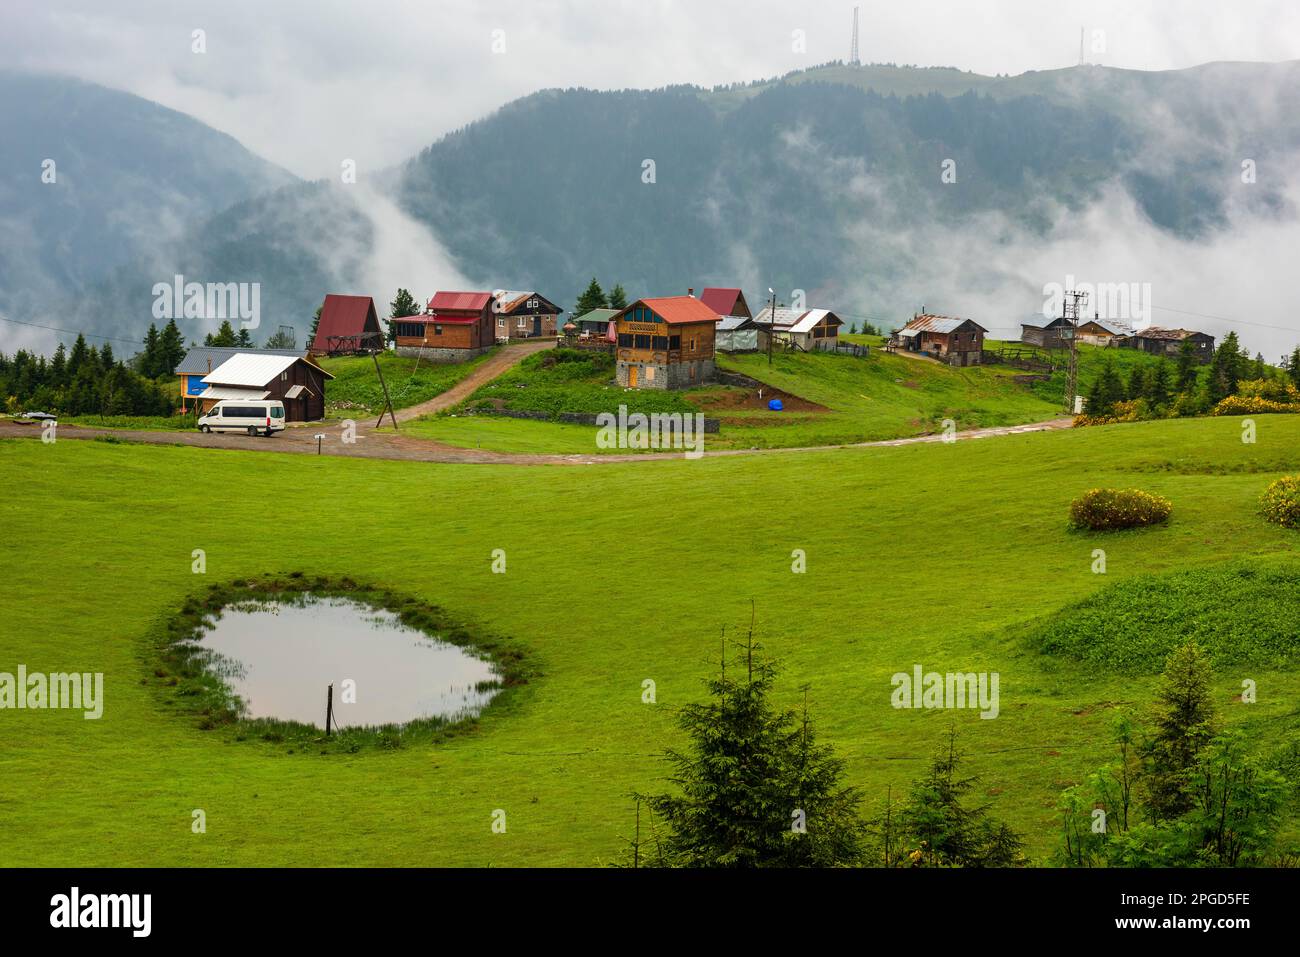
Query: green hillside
[938, 555]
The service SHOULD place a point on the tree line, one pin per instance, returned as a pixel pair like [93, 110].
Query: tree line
[85, 381]
[1164, 388]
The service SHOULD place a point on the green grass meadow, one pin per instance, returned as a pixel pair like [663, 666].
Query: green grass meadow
[878, 397]
[938, 555]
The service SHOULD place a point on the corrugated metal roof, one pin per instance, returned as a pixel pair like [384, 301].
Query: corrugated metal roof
[597, 315]
[1113, 326]
[347, 322]
[226, 392]
[679, 310]
[940, 324]
[201, 360]
[784, 317]
[247, 369]
[729, 323]
[459, 301]
[811, 318]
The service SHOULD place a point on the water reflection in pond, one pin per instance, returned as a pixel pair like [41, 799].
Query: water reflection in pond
[279, 656]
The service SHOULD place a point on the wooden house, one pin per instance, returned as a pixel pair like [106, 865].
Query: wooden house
[1046, 333]
[297, 382]
[959, 342]
[348, 325]
[726, 302]
[524, 315]
[1103, 332]
[811, 330]
[455, 327]
[1169, 342]
[665, 343]
[201, 360]
[595, 324]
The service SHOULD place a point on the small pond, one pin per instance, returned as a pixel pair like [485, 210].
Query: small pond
[280, 655]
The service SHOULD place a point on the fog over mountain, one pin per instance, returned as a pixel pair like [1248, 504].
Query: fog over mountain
[831, 181]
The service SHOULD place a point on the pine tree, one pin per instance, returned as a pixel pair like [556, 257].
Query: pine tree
[1188, 367]
[1226, 369]
[243, 339]
[939, 830]
[171, 348]
[59, 368]
[593, 298]
[1260, 368]
[1158, 384]
[77, 358]
[281, 339]
[315, 324]
[1184, 721]
[617, 297]
[224, 336]
[1137, 382]
[149, 365]
[754, 788]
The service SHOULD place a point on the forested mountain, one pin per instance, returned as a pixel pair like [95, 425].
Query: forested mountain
[92, 178]
[828, 180]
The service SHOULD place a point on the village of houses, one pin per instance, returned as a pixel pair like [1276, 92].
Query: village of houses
[667, 342]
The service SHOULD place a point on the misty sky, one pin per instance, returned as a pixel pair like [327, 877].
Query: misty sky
[306, 83]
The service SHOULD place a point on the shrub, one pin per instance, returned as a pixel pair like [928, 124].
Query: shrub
[1251, 405]
[1110, 508]
[1131, 410]
[1280, 502]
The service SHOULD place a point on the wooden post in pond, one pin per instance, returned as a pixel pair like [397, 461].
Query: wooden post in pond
[329, 708]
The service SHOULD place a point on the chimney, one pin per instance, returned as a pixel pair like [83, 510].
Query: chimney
[690, 291]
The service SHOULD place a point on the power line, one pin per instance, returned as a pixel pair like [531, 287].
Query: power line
[69, 332]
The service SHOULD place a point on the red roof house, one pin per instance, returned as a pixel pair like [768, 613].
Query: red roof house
[347, 324]
[455, 326]
[726, 302]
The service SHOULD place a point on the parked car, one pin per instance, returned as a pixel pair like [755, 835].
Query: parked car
[39, 416]
[265, 416]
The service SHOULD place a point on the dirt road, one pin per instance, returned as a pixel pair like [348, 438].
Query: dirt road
[376, 445]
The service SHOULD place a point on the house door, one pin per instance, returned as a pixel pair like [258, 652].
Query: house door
[631, 376]
[537, 325]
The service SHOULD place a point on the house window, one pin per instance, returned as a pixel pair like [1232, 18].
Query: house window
[284, 377]
[649, 373]
[641, 341]
[625, 340]
[675, 342]
[661, 342]
[501, 322]
[692, 346]
[522, 322]
[437, 330]
[532, 304]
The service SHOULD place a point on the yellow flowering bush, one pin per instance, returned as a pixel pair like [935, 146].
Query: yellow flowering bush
[1133, 410]
[1280, 502]
[1103, 509]
[1252, 405]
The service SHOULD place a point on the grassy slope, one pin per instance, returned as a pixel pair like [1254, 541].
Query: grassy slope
[410, 381]
[880, 397]
[893, 580]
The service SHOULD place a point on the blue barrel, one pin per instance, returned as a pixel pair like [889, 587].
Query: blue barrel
[775, 405]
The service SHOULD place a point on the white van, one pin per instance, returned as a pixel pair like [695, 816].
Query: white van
[244, 415]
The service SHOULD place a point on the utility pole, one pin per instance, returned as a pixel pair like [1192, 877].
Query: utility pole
[388, 403]
[771, 326]
[1071, 303]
